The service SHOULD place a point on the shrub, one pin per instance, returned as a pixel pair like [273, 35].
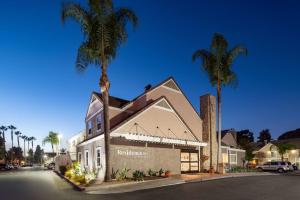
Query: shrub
[121, 175]
[80, 179]
[161, 172]
[62, 169]
[138, 175]
[114, 173]
[69, 173]
[152, 172]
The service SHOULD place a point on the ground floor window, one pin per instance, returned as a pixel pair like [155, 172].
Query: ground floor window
[79, 157]
[189, 161]
[86, 158]
[233, 158]
[98, 156]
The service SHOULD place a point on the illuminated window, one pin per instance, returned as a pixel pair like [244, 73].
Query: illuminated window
[233, 158]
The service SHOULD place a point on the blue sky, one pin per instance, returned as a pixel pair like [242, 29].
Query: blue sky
[41, 90]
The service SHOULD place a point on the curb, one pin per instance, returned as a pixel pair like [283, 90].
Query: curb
[76, 187]
[229, 176]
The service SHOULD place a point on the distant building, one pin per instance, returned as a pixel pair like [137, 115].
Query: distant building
[73, 142]
[269, 152]
[232, 154]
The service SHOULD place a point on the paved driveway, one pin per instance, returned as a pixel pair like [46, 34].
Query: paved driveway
[36, 184]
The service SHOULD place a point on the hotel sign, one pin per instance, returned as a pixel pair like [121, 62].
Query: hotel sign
[131, 153]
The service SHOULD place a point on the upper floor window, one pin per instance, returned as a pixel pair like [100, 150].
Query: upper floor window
[90, 126]
[99, 121]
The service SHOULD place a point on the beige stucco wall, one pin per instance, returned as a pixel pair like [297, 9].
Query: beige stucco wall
[145, 158]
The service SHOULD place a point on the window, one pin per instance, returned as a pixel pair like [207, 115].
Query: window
[233, 158]
[86, 158]
[90, 126]
[225, 157]
[273, 154]
[98, 156]
[79, 157]
[99, 121]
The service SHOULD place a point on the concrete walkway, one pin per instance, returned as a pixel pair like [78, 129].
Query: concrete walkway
[175, 180]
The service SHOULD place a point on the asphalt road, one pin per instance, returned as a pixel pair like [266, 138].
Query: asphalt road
[36, 184]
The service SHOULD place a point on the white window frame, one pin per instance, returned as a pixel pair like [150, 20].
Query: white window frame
[230, 161]
[98, 149]
[86, 158]
[79, 156]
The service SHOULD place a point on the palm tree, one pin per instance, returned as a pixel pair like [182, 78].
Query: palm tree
[12, 128]
[52, 138]
[104, 30]
[18, 134]
[283, 148]
[32, 139]
[218, 65]
[24, 137]
[3, 129]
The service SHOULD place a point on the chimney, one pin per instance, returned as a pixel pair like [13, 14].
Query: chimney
[148, 87]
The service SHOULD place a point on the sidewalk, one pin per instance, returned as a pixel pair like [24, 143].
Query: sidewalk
[174, 180]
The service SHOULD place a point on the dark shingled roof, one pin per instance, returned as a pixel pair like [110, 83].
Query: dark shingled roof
[114, 101]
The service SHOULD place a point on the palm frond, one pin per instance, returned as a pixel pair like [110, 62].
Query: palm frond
[234, 52]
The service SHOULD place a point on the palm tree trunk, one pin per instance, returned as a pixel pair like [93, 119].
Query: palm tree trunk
[12, 145]
[219, 126]
[52, 147]
[32, 145]
[18, 139]
[24, 148]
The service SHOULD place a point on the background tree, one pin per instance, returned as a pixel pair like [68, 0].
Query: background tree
[244, 137]
[12, 128]
[52, 139]
[38, 154]
[30, 156]
[264, 136]
[3, 129]
[18, 134]
[283, 148]
[104, 30]
[24, 137]
[2, 148]
[17, 154]
[32, 139]
[217, 63]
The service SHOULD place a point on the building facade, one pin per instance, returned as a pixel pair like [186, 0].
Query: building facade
[158, 129]
[73, 142]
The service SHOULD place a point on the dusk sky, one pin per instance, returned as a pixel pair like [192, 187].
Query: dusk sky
[41, 90]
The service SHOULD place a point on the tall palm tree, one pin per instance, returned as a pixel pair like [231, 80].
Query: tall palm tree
[18, 134]
[32, 139]
[24, 137]
[52, 138]
[12, 128]
[217, 63]
[3, 129]
[104, 30]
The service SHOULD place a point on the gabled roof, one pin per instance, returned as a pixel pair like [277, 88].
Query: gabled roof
[113, 101]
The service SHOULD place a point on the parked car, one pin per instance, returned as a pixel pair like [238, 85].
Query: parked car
[51, 166]
[5, 167]
[278, 166]
[295, 167]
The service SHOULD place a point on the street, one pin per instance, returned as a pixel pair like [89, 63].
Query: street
[34, 183]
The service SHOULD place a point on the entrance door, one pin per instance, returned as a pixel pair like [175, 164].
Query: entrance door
[189, 161]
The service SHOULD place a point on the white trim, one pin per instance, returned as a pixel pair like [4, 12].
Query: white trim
[98, 148]
[156, 139]
[171, 89]
[233, 149]
[162, 108]
[163, 99]
[99, 137]
[87, 119]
